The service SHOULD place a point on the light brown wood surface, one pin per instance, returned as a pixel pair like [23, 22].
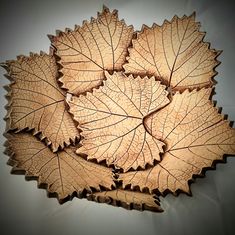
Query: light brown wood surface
[175, 53]
[139, 103]
[89, 50]
[63, 172]
[127, 199]
[111, 120]
[195, 135]
[37, 102]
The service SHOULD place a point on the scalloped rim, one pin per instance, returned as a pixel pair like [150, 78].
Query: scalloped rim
[213, 167]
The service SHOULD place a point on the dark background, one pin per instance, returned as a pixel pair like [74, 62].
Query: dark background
[24, 209]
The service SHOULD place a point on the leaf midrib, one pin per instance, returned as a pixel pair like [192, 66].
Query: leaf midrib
[115, 114]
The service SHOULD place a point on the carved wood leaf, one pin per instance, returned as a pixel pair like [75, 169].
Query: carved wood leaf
[175, 53]
[195, 135]
[63, 172]
[127, 199]
[36, 100]
[90, 49]
[117, 85]
[111, 120]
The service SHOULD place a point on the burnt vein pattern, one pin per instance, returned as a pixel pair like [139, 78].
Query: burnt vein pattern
[140, 103]
[89, 50]
[63, 172]
[111, 120]
[195, 135]
[127, 199]
[175, 53]
[37, 102]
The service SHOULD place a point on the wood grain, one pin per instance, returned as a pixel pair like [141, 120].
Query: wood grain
[175, 53]
[37, 102]
[111, 120]
[86, 52]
